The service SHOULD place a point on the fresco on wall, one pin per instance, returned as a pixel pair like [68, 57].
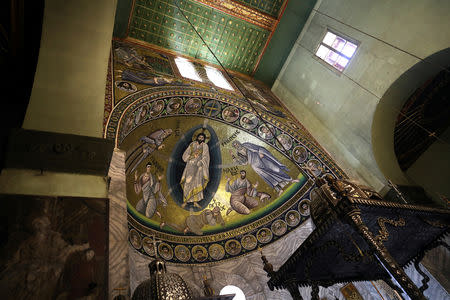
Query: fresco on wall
[208, 174]
[53, 248]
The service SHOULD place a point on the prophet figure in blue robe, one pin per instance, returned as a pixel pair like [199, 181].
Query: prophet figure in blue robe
[272, 171]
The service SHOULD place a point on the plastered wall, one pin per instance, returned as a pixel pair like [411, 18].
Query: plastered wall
[68, 91]
[339, 108]
[69, 87]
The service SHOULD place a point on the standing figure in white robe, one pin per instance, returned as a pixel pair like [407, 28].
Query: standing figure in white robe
[150, 187]
[196, 173]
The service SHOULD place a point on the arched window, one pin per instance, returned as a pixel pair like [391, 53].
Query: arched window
[187, 69]
[231, 289]
[216, 77]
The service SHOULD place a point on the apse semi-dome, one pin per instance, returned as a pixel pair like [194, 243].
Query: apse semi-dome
[211, 175]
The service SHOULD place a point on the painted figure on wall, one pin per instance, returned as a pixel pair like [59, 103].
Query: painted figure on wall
[244, 195]
[150, 79]
[196, 173]
[150, 143]
[34, 270]
[131, 58]
[263, 163]
[150, 186]
[195, 223]
[142, 60]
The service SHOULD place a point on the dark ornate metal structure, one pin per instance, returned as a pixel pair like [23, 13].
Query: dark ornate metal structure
[358, 237]
[162, 285]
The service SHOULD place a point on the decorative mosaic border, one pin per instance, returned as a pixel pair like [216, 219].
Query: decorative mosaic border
[130, 103]
[239, 242]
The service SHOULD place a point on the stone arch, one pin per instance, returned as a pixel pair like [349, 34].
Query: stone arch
[389, 106]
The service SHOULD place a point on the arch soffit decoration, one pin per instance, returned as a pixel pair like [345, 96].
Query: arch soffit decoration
[390, 104]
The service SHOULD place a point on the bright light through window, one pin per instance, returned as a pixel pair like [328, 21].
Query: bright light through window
[336, 50]
[217, 78]
[187, 69]
[231, 289]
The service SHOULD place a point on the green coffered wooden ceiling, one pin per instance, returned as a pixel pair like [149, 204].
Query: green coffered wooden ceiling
[238, 31]
[235, 42]
[271, 7]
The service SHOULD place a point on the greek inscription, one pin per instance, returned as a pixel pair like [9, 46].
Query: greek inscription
[158, 167]
[232, 171]
[230, 138]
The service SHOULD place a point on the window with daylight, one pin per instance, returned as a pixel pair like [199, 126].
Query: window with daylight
[336, 50]
[187, 69]
[231, 289]
[216, 77]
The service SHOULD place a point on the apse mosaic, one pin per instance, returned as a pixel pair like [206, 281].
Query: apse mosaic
[209, 175]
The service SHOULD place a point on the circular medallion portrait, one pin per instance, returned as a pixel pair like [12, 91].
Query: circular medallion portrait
[303, 207]
[125, 86]
[284, 142]
[165, 251]
[314, 167]
[279, 227]
[212, 108]
[266, 131]
[233, 247]
[141, 114]
[249, 242]
[230, 114]
[148, 246]
[127, 125]
[300, 154]
[264, 235]
[199, 253]
[216, 251]
[135, 239]
[182, 253]
[174, 105]
[249, 121]
[157, 108]
[193, 105]
[292, 218]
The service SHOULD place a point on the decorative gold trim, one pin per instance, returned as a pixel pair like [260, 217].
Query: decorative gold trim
[397, 205]
[435, 223]
[383, 233]
[222, 235]
[242, 12]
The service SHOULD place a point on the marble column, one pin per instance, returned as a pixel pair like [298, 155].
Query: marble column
[119, 277]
